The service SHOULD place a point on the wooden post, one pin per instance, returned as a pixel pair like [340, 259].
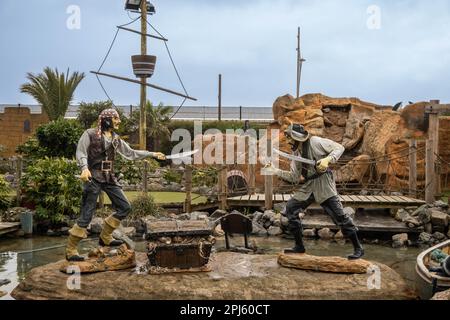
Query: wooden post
[188, 201]
[223, 186]
[19, 168]
[433, 138]
[220, 98]
[143, 115]
[413, 168]
[429, 173]
[268, 180]
[145, 178]
[251, 167]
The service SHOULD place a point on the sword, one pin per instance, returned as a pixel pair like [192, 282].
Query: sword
[295, 158]
[183, 155]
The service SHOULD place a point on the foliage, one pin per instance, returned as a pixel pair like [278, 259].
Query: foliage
[132, 171]
[144, 205]
[205, 177]
[4, 193]
[51, 185]
[31, 150]
[173, 176]
[59, 138]
[158, 122]
[55, 139]
[88, 115]
[53, 90]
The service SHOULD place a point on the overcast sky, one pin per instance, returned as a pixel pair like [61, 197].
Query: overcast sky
[401, 53]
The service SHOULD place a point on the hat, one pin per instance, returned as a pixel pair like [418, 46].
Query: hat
[297, 132]
[107, 113]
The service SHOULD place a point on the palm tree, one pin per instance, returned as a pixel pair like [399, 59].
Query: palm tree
[157, 123]
[54, 91]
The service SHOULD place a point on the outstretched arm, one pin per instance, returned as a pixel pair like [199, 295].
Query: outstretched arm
[128, 153]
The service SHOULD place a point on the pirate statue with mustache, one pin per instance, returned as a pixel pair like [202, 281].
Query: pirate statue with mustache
[95, 155]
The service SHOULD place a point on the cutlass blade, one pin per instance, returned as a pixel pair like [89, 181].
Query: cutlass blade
[183, 155]
[295, 158]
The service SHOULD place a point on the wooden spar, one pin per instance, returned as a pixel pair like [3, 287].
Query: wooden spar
[148, 84]
[142, 34]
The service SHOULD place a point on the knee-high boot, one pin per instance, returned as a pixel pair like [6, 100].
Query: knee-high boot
[106, 238]
[357, 247]
[76, 234]
[299, 247]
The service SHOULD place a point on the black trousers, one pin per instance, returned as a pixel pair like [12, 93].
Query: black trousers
[333, 207]
[91, 191]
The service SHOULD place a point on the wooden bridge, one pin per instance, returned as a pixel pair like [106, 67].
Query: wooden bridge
[357, 202]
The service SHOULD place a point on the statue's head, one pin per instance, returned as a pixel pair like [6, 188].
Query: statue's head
[296, 133]
[108, 120]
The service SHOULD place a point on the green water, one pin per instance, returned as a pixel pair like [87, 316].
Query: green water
[16, 258]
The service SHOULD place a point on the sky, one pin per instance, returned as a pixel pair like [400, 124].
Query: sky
[383, 51]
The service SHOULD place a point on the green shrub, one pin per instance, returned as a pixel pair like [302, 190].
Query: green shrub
[4, 193]
[173, 176]
[133, 170]
[59, 138]
[205, 177]
[51, 185]
[31, 150]
[144, 205]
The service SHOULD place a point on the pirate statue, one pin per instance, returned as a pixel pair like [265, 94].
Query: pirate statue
[96, 152]
[318, 185]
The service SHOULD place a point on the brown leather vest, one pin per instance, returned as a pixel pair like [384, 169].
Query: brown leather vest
[97, 153]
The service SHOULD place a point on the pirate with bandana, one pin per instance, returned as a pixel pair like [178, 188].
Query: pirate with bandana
[95, 155]
[315, 185]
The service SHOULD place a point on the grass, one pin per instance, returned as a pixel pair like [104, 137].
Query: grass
[445, 196]
[163, 197]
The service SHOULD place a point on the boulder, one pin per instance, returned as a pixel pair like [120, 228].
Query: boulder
[96, 226]
[443, 296]
[325, 234]
[198, 215]
[355, 170]
[268, 215]
[184, 216]
[421, 210]
[400, 240]
[234, 276]
[401, 215]
[274, 231]
[218, 232]
[339, 235]
[218, 214]
[440, 204]
[425, 237]
[3, 293]
[350, 212]
[439, 236]
[280, 207]
[258, 230]
[284, 222]
[412, 222]
[438, 218]
[309, 233]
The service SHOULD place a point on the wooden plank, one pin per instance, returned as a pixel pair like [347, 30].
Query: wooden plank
[345, 199]
[389, 199]
[398, 199]
[279, 197]
[253, 197]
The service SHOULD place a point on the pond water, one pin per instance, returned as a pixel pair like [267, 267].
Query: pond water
[19, 256]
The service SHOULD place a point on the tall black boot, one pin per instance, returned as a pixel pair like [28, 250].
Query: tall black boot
[299, 247]
[357, 247]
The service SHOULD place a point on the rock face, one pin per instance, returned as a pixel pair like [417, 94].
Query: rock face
[233, 277]
[444, 296]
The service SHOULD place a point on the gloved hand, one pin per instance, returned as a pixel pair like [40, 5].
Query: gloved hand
[269, 169]
[323, 164]
[159, 156]
[86, 175]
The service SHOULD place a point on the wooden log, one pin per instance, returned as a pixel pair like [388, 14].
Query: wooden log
[413, 168]
[268, 181]
[188, 201]
[323, 264]
[429, 173]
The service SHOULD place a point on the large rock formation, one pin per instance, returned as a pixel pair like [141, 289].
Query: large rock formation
[234, 277]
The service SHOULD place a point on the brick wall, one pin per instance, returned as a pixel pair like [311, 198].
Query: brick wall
[12, 127]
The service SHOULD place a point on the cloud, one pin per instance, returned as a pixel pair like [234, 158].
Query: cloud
[252, 43]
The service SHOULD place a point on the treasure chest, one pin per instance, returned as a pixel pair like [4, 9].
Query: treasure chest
[179, 244]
